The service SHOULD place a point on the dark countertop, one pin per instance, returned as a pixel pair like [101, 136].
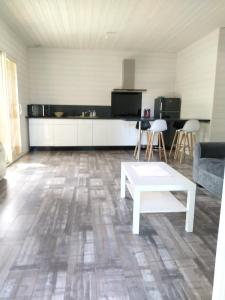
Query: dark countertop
[117, 118]
[79, 118]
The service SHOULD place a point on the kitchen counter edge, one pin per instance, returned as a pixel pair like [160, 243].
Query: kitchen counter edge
[117, 118]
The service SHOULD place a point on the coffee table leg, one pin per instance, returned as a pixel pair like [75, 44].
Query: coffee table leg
[122, 183]
[136, 213]
[190, 210]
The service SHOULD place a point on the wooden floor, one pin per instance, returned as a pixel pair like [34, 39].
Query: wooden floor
[66, 234]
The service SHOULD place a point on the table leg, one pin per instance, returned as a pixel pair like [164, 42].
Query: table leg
[190, 209]
[139, 140]
[122, 183]
[136, 212]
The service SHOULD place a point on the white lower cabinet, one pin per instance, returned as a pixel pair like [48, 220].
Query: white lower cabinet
[84, 134]
[40, 132]
[63, 132]
[101, 133]
[133, 133]
[111, 133]
[118, 131]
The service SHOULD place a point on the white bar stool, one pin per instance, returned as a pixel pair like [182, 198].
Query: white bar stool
[145, 125]
[157, 128]
[186, 139]
[178, 126]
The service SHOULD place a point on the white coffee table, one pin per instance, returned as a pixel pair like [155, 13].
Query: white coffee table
[150, 184]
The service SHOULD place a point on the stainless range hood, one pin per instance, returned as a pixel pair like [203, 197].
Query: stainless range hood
[129, 77]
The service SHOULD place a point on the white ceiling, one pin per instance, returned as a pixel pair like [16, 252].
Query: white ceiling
[154, 25]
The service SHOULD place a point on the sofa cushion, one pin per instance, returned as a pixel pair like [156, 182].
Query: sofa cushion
[213, 165]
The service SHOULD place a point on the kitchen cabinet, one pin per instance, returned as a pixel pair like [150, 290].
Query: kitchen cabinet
[133, 133]
[40, 132]
[70, 132]
[111, 133]
[118, 132]
[101, 132]
[50, 132]
[84, 133]
[65, 132]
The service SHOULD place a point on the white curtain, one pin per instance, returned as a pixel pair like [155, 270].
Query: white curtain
[13, 108]
[10, 135]
[4, 109]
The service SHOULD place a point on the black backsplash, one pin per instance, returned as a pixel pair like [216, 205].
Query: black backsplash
[72, 110]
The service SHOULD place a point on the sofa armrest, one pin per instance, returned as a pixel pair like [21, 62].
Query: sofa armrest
[211, 150]
[206, 150]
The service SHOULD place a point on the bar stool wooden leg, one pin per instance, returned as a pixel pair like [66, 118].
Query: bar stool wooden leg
[192, 144]
[174, 142]
[148, 144]
[136, 147]
[164, 148]
[150, 154]
[178, 144]
[188, 143]
[135, 151]
[194, 140]
[183, 147]
[160, 146]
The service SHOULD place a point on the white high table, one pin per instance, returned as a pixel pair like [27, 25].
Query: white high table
[150, 184]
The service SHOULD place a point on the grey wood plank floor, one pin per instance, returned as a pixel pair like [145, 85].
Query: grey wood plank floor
[66, 234]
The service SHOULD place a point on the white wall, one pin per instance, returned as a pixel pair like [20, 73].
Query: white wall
[218, 112]
[156, 72]
[16, 50]
[87, 77]
[195, 77]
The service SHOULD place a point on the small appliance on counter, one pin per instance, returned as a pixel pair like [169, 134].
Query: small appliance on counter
[89, 114]
[38, 110]
[167, 108]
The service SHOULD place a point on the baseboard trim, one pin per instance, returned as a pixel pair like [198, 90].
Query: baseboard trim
[79, 148]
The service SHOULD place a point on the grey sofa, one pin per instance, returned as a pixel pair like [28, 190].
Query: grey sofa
[208, 166]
